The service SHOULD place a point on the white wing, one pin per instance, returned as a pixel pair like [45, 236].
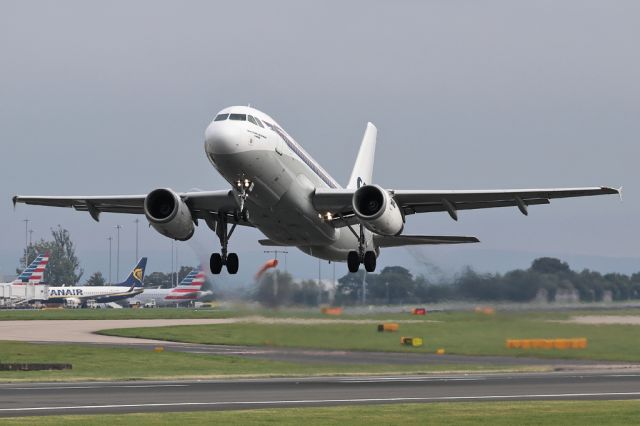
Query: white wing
[201, 203]
[338, 201]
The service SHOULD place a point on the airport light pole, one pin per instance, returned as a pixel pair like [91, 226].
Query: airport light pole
[110, 238]
[118, 228]
[177, 266]
[137, 221]
[334, 281]
[319, 282]
[171, 262]
[364, 288]
[30, 237]
[26, 242]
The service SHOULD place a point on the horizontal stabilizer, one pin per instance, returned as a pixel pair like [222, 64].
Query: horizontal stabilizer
[416, 240]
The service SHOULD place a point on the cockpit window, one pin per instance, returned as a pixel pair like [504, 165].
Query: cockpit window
[251, 119]
[238, 117]
[258, 122]
[221, 117]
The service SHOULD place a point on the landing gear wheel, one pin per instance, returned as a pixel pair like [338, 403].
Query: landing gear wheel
[370, 261]
[215, 263]
[353, 261]
[232, 263]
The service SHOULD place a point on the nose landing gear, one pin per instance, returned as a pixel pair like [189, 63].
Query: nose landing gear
[230, 260]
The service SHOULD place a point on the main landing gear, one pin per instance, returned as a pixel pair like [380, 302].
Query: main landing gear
[218, 260]
[362, 256]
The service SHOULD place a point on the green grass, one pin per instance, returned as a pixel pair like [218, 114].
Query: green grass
[107, 363]
[469, 413]
[457, 333]
[115, 314]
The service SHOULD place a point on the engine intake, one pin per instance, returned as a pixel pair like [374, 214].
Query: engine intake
[377, 210]
[168, 214]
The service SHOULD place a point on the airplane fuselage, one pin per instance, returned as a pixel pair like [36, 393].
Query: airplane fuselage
[101, 294]
[283, 177]
[167, 297]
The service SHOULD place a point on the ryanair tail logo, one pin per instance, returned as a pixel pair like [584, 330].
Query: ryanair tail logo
[137, 274]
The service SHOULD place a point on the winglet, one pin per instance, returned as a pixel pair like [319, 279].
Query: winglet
[15, 201]
[620, 192]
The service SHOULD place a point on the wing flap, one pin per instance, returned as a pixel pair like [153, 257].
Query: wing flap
[438, 207]
[413, 240]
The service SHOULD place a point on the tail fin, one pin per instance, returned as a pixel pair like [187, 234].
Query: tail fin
[362, 173]
[194, 279]
[34, 273]
[136, 277]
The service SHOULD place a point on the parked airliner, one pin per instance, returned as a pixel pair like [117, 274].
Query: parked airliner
[34, 273]
[279, 189]
[80, 295]
[188, 291]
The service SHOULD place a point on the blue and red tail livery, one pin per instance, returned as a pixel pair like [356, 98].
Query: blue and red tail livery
[35, 271]
[189, 288]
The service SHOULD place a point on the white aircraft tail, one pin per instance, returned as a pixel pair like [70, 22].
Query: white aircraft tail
[362, 173]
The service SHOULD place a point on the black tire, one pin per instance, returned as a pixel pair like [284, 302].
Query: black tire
[233, 263]
[353, 261]
[215, 263]
[370, 261]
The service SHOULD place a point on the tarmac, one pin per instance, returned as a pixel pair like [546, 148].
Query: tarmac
[175, 395]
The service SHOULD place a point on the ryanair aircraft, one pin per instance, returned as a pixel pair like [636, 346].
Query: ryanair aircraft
[79, 295]
[279, 189]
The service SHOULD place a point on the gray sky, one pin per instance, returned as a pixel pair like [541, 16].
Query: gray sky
[114, 97]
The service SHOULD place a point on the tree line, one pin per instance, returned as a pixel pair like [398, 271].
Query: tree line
[64, 266]
[545, 277]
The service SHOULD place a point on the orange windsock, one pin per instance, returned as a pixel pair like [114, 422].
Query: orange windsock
[272, 263]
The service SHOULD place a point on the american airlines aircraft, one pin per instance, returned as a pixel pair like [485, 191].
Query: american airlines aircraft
[279, 189]
[188, 291]
[34, 273]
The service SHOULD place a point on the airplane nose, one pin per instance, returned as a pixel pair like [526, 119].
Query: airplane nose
[222, 139]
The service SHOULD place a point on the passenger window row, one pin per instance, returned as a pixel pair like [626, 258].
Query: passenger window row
[239, 117]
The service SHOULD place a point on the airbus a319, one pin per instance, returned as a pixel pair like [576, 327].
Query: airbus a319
[278, 188]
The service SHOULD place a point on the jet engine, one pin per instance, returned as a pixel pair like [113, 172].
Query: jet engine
[377, 210]
[168, 214]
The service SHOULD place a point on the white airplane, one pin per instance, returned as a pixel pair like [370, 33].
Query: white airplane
[279, 189]
[189, 290]
[80, 295]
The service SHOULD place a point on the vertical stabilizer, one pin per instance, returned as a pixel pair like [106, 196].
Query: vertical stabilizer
[363, 169]
[136, 277]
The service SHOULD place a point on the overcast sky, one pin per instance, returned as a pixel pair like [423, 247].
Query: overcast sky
[113, 98]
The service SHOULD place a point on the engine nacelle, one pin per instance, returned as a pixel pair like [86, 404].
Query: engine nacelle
[168, 214]
[377, 210]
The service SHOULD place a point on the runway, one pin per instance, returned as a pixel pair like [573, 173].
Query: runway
[127, 397]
